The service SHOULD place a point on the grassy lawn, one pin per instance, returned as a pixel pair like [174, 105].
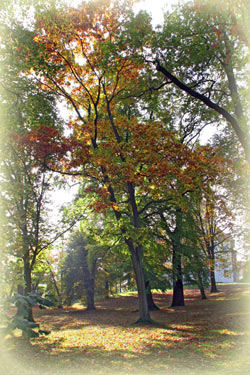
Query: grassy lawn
[205, 337]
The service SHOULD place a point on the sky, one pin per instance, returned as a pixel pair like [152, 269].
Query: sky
[155, 8]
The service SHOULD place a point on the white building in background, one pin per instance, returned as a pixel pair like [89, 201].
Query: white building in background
[227, 268]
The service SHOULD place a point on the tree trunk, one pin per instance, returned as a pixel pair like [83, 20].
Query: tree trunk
[27, 289]
[151, 305]
[90, 294]
[89, 281]
[59, 295]
[201, 287]
[203, 294]
[135, 252]
[69, 297]
[213, 282]
[212, 272]
[106, 289]
[178, 294]
[136, 256]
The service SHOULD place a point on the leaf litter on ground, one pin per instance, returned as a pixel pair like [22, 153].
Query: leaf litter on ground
[205, 336]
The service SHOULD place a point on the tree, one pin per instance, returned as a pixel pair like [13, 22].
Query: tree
[124, 156]
[79, 268]
[215, 224]
[24, 183]
[203, 40]
[24, 186]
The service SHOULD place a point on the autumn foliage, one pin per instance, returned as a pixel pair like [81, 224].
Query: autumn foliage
[127, 159]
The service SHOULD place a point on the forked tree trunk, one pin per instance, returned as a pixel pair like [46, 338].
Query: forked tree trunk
[135, 252]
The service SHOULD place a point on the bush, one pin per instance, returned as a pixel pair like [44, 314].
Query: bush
[21, 319]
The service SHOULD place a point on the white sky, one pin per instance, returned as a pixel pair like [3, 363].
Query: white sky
[155, 8]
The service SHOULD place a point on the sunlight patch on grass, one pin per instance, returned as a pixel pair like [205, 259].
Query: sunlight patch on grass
[127, 341]
[227, 332]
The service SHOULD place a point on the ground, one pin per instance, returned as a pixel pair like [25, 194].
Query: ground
[204, 337]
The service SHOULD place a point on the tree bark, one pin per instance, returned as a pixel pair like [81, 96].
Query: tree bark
[203, 294]
[91, 295]
[136, 256]
[28, 284]
[151, 305]
[213, 282]
[89, 281]
[201, 287]
[178, 294]
[106, 289]
[212, 271]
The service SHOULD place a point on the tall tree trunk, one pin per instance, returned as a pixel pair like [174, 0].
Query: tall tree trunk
[106, 289]
[136, 256]
[90, 294]
[201, 287]
[212, 272]
[89, 281]
[151, 305]
[69, 297]
[178, 294]
[202, 291]
[28, 285]
[60, 305]
[135, 252]
[213, 288]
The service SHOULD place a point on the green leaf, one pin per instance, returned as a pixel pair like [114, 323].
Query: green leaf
[44, 302]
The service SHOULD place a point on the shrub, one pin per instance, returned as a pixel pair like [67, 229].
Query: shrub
[21, 319]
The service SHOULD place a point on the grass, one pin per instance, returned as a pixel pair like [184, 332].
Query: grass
[205, 337]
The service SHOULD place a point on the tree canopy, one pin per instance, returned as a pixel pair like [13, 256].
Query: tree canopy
[137, 101]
